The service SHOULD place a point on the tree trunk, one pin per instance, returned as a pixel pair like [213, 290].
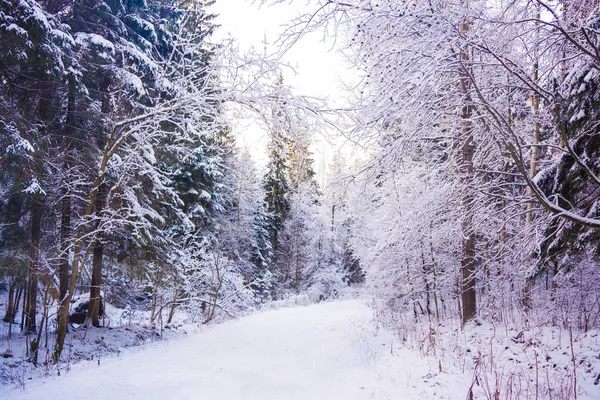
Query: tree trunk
[10, 308]
[239, 213]
[297, 269]
[435, 296]
[98, 255]
[38, 339]
[78, 237]
[63, 320]
[412, 293]
[25, 297]
[18, 299]
[173, 306]
[332, 233]
[468, 294]
[469, 299]
[65, 231]
[425, 270]
[95, 296]
[65, 221]
[434, 270]
[535, 104]
[44, 116]
[11, 311]
[34, 265]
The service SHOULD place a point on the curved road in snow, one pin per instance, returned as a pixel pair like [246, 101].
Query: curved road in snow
[325, 351]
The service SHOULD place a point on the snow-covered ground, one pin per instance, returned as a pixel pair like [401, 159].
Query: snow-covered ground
[121, 329]
[325, 351]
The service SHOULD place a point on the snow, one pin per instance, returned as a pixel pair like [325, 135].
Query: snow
[63, 36]
[20, 144]
[132, 81]
[84, 39]
[325, 351]
[34, 188]
[140, 58]
[580, 115]
[17, 30]
[37, 14]
[146, 26]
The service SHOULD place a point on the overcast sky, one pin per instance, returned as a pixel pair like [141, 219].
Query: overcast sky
[319, 69]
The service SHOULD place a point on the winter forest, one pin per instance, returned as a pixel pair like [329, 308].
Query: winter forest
[460, 203]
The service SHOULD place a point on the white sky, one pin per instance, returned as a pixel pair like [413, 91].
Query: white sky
[319, 69]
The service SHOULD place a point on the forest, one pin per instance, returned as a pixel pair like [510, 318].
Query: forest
[123, 190]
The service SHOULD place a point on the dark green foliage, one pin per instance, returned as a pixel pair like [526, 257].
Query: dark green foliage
[276, 186]
[70, 72]
[572, 181]
[35, 60]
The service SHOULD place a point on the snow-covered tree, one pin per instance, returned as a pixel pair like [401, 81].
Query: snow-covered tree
[276, 184]
[498, 88]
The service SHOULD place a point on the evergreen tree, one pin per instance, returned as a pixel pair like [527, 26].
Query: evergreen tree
[301, 242]
[276, 186]
[36, 59]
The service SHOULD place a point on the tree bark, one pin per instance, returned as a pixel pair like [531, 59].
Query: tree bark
[97, 262]
[98, 252]
[65, 231]
[332, 233]
[425, 270]
[25, 297]
[297, 274]
[468, 293]
[78, 240]
[35, 349]
[535, 104]
[10, 308]
[412, 293]
[95, 296]
[18, 299]
[173, 306]
[34, 265]
[65, 221]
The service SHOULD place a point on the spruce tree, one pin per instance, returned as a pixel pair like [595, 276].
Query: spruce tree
[276, 186]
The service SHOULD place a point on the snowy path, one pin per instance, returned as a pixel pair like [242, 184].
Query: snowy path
[325, 351]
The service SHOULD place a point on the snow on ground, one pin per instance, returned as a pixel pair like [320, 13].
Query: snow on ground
[520, 359]
[325, 351]
[122, 328]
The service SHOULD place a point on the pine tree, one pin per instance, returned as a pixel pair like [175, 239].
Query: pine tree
[147, 112]
[36, 54]
[276, 186]
[301, 240]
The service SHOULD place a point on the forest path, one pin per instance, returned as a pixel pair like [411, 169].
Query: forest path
[325, 351]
